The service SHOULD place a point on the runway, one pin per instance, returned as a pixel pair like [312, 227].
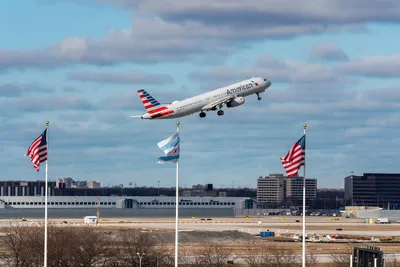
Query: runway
[279, 225]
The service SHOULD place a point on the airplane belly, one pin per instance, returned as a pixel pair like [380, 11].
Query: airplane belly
[190, 110]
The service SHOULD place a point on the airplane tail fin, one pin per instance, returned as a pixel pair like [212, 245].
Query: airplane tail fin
[148, 101]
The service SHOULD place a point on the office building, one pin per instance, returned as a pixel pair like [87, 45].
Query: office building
[294, 189]
[373, 189]
[93, 184]
[280, 189]
[271, 189]
[65, 182]
[80, 184]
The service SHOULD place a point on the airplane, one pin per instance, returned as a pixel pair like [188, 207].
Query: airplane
[231, 96]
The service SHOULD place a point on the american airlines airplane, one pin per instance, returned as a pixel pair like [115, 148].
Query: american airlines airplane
[230, 96]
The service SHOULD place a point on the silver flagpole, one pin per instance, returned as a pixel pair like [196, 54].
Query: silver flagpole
[304, 202]
[176, 204]
[45, 197]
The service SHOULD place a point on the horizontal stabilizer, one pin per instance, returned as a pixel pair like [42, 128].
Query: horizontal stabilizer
[136, 116]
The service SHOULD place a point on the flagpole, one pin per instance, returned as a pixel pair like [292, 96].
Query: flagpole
[176, 204]
[304, 202]
[45, 197]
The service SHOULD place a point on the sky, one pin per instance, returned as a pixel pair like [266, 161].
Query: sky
[334, 65]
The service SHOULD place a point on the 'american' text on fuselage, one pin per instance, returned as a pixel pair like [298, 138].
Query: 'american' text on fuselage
[239, 89]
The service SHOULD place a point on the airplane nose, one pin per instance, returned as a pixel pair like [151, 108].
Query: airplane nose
[268, 83]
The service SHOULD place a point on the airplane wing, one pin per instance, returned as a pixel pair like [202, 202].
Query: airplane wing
[221, 101]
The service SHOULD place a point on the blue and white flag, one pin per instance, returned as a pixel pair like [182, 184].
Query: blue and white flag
[170, 147]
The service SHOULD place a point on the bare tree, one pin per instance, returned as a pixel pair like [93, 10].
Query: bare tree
[341, 258]
[185, 258]
[22, 246]
[133, 242]
[88, 247]
[253, 253]
[392, 261]
[311, 260]
[60, 241]
[257, 254]
[163, 255]
[282, 256]
[212, 254]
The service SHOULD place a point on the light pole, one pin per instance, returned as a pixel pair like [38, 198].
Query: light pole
[140, 258]
[158, 188]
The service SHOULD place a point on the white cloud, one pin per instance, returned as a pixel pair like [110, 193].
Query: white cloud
[276, 12]
[16, 90]
[92, 136]
[122, 77]
[373, 66]
[328, 51]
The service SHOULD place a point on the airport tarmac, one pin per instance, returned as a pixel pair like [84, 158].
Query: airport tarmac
[277, 224]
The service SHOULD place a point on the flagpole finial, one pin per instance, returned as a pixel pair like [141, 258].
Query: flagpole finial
[305, 125]
[177, 123]
[47, 123]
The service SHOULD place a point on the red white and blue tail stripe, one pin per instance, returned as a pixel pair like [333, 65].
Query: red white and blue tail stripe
[152, 106]
[148, 101]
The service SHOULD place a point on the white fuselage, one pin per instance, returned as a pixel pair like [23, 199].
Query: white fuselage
[197, 103]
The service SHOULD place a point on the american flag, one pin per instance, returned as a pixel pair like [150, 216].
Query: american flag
[37, 151]
[295, 158]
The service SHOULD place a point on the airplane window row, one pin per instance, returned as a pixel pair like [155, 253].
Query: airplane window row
[191, 104]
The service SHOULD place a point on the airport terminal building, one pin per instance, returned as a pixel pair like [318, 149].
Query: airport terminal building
[26, 188]
[119, 206]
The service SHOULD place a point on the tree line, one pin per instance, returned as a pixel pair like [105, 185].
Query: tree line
[22, 246]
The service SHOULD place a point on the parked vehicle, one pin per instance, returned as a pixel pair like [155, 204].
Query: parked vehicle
[382, 220]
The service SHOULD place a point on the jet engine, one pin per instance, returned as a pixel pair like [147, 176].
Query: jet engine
[237, 101]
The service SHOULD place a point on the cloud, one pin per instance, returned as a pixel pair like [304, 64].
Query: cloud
[328, 51]
[131, 100]
[274, 69]
[373, 66]
[288, 71]
[362, 131]
[15, 90]
[151, 40]
[275, 12]
[174, 33]
[70, 89]
[93, 137]
[56, 103]
[122, 78]
[175, 30]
